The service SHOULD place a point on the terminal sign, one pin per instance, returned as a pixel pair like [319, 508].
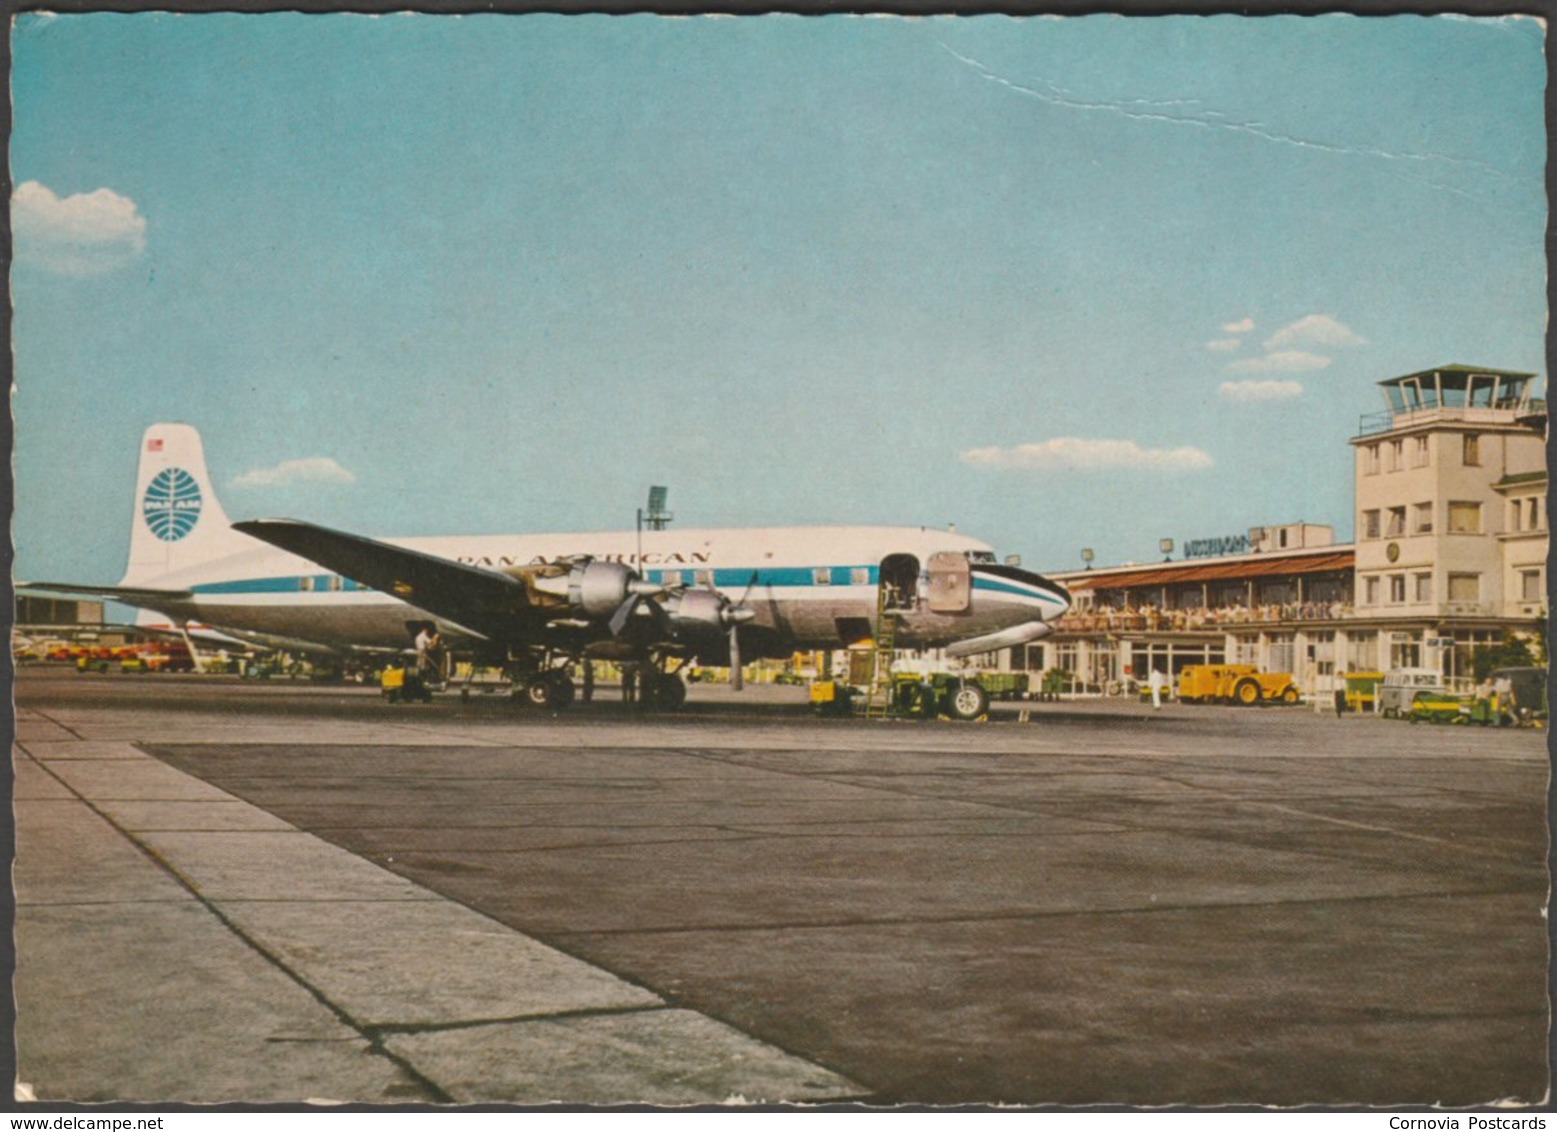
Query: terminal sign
[1216, 547]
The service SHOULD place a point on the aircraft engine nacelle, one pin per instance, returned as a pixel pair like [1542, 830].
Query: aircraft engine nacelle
[598, 589]
[696, 613]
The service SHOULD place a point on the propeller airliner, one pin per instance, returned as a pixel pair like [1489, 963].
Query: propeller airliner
[538, 604]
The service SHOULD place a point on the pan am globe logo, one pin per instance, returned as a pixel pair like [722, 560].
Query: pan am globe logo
[171, 506]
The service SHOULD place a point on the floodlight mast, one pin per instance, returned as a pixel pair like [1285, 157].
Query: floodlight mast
[656, 516]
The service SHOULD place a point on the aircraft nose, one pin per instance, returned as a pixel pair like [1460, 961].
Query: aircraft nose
[1052, 599]
[1056, 591]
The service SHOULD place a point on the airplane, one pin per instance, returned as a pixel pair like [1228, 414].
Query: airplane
[537, 604]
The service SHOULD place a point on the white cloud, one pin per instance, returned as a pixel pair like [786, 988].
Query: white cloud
[310, 469]
[81, 235]
[1224, 345]
[1067, 453]
[1260, 390]
[1243, 326]
[1283, 361]
[1315, 330]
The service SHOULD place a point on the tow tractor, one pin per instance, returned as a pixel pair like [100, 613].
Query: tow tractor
[401, 683]
[1241, 684]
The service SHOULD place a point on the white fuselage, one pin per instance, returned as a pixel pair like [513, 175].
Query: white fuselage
[808, 587]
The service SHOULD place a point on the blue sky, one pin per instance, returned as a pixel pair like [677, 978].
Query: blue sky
[1081, 282]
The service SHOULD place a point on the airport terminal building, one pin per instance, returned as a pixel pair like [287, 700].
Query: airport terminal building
[1450, 556]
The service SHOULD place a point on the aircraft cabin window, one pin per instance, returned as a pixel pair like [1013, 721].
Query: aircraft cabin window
[705, 577]
[822, 576]
[860, 576]
[306, 585]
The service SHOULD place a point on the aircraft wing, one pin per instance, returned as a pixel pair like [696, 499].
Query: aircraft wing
[129, 595]
[484, 602]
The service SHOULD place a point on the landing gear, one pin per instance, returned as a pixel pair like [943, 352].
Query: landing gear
[662, 691]
[549, 690]
[966, 701]
[552, 688]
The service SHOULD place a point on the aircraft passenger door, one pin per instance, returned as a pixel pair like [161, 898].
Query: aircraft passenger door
[900, 582]
[951, 582]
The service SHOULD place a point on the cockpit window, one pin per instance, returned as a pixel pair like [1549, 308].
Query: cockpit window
[987, 556]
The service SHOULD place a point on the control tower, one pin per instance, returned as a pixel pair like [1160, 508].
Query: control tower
[1451, 501]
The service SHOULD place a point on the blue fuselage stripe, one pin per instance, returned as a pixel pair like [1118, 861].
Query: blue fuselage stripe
[1003, 587]
[293, 583]
[725, 578]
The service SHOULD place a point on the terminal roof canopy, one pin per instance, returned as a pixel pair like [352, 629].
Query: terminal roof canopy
[1216, 571]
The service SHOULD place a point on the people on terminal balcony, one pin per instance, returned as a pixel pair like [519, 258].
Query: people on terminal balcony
[1149, 617]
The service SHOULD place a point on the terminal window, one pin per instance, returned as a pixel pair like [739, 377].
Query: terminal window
[1370, 591]
[1464, 587]
[1419, 452]
[1397, 589]
[1370, 524]
[1424, 587]
[1530, 588]
[1422, 519]
[1370, 460]
[1464, 517]
[1395, 453]
[1471, 451]
[1397, 522]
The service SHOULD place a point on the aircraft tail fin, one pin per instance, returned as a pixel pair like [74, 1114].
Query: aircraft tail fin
[177, 522]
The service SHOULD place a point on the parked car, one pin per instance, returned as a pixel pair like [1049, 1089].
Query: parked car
[1401, 685]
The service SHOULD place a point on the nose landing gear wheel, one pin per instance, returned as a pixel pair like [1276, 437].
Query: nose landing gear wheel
[967, 701]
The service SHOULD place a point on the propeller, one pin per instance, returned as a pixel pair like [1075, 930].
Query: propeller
[735, 616]
[639, 593]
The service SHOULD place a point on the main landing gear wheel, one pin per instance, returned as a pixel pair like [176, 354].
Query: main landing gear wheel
[663, 691]
[551, 691]
[967, 701]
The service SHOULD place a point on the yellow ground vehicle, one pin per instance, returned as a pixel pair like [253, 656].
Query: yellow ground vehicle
[831, 697]
[1241, 684]
[402, 684]
[1362, 690]
[1433, 706]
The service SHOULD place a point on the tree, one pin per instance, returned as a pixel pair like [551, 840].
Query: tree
[1511, 652]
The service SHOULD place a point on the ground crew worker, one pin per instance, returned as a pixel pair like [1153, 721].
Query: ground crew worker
[1157, 680]
[589, 681]
[1482, 713]
[1340, 694]
[1503, 702]
[428, 646]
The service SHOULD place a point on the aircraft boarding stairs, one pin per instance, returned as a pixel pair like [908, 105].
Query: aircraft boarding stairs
[878, 702]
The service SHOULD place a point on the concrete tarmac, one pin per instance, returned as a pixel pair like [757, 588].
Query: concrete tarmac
[270, 893]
